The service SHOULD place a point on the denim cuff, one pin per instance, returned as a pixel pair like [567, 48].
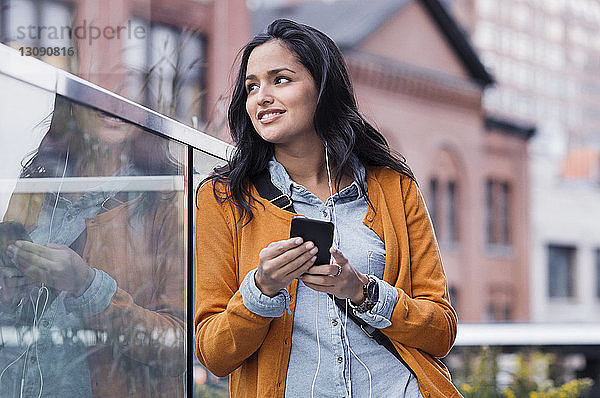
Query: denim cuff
[379, 316]
[260, 304]
[96, 298]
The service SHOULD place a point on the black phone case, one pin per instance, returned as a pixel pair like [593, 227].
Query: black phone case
[11, 231]
[317, 231]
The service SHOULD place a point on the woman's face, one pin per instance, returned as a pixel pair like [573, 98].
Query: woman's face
[282, 96]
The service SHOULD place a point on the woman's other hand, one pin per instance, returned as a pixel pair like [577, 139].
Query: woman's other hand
[57, 266]
[281, 262]
[344, 282]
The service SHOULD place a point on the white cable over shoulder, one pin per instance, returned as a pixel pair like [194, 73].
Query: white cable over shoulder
[312, 388]
[36, 321]
[337, 234]
[58, 194]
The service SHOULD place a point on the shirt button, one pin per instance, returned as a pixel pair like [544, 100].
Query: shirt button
[340, 359]
[324, 212]
[33, 359]
[334, 322]
[45, 323]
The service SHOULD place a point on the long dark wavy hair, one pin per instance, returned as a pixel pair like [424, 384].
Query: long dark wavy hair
[69, 125]
[351, 140]
[69, 128]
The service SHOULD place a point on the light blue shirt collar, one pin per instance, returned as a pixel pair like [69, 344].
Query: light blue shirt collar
[282, 180]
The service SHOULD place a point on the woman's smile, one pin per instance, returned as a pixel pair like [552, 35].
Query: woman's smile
[269, 115]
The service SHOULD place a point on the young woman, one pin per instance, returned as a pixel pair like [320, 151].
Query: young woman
[264, 308]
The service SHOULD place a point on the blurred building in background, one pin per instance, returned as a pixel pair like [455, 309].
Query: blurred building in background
[546, 57]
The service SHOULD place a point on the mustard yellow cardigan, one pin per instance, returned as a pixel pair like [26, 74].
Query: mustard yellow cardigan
[255, 350]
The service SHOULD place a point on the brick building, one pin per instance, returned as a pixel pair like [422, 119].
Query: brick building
[548, 67]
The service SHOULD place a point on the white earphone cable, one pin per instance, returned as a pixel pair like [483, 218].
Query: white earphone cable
[345, 323]
[58, 194]
[312, 388]
[41, 290]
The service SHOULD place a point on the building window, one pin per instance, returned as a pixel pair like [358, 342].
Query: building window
[496, 312]
[452, 227]
[487, 8]
[433, 202]
[598, 273]
[453, 292]
[444, 192]
[3, 20]
[500, 303]
[497, 200]
[561, 271]
[166, 70]
[442, 208]
[38, 24]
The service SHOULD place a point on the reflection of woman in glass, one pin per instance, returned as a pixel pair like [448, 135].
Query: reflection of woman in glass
[102, 278]
[262, 314]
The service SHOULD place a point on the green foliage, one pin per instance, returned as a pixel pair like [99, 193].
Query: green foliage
[210, 391]
[529, 376]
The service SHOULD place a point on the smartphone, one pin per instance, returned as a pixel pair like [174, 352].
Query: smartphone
[317, 231]
[11, 231]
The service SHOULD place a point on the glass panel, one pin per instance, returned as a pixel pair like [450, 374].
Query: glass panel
[92, 255]
[205, 383]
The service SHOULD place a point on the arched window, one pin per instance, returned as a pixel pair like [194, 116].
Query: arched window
[444, 192]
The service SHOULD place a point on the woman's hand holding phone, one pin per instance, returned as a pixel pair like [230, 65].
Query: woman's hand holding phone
[281, 262]
[343, 283]
[56, 265]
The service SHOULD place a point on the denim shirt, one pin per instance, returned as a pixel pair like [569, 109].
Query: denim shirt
[56, 361]
[328, 348]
